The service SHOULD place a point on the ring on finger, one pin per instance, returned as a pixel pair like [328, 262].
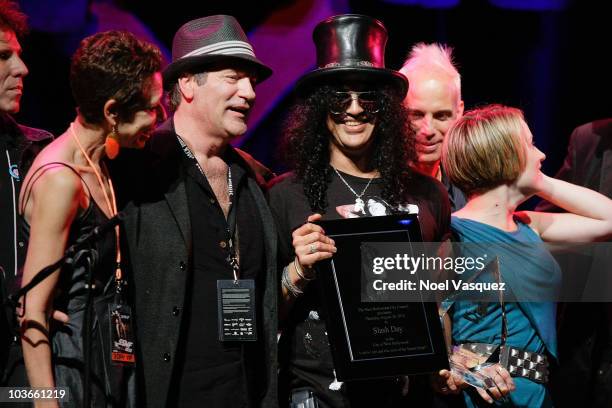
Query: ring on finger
[312, 248]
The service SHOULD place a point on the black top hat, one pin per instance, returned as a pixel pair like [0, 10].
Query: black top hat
[208, 41]
[351, 47]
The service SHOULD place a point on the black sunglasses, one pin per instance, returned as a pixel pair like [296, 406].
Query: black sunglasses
[340, 101]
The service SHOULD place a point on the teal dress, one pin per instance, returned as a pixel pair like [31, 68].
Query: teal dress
[529, 270]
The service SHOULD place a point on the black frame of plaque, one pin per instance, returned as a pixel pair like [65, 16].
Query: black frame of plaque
[390, 228]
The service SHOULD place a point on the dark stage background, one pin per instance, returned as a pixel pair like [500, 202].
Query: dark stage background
[548, 57]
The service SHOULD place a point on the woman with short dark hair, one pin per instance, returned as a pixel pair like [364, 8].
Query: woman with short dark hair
[116, 82]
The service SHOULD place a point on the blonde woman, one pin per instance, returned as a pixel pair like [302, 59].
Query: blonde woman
[489, 153]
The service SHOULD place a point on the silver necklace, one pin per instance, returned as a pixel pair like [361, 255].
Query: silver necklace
[359, 204]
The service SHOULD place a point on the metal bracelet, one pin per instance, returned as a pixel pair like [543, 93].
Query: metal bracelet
[300, 272]
[287, 284]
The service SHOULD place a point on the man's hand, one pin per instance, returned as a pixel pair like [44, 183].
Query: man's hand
[311, 244]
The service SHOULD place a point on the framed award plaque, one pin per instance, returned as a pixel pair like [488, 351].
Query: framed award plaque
[371, 339]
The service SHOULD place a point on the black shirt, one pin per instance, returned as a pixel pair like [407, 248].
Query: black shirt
[9, 185]
[304, 352]
[212, 373]
[455, 195]
[19, 145]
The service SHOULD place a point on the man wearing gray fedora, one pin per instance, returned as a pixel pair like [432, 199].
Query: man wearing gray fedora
[200, 236]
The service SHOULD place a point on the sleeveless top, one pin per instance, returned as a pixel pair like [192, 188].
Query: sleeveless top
[111, 385]
[526, 267]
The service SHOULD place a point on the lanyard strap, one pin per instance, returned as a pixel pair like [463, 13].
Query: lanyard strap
[231, 227]
[111, 201]
[504, 332]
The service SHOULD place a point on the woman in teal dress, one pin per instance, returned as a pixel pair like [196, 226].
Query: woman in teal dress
[489, 154]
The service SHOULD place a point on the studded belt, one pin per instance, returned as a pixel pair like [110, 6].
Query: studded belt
[518, 362]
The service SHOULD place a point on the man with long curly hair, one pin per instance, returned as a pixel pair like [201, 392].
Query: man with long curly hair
[349, 145]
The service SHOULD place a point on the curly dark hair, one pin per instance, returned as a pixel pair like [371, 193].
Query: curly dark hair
[112, 65]
[307, 139]
[12, 18]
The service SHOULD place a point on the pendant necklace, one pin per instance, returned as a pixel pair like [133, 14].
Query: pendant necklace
[359, 204]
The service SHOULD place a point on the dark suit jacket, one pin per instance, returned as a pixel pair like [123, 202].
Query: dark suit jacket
[158, 238]
[19, 145]
[588, 163]
[584, 327]
[589, 159]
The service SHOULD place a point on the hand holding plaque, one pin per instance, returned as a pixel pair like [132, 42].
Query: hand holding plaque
[375, 339]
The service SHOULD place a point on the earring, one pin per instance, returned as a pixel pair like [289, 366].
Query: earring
[111, 145]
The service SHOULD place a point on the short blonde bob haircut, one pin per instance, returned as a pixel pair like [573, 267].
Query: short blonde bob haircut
[485, 149]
